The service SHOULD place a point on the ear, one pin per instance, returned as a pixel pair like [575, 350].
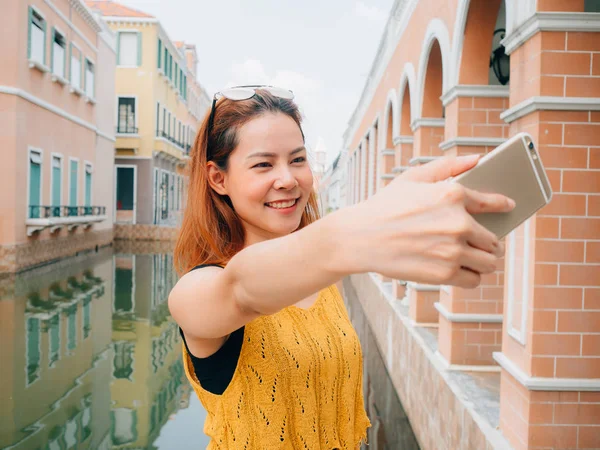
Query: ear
[216, 179]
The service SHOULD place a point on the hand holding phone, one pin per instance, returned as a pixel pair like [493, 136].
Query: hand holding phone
[515, 170]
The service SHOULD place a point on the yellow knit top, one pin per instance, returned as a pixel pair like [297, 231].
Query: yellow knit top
[297, 384]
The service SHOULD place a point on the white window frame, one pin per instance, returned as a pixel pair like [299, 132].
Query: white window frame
[72, 158]
[60, 156]
[77, 89]
[89, 164]
[90, 98]
[40, 152]
[135, 169]
[136, 114]
[62, 79]
[40, 65]
[519, 335]
[139, 36]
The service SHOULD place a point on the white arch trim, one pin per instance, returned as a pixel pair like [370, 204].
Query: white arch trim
[390, 102]
[458, 39]
[408, 76]
[436, 30]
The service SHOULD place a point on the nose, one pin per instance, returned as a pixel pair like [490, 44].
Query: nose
[285, 179]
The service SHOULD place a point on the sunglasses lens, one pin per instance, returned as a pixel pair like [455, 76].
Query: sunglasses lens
[280, 92]
[238, 93]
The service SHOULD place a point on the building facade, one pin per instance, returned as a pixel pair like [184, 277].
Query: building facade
[158, 106]
[56, 91]
[514, 363]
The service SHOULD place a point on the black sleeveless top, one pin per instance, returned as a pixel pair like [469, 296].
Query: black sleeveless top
[216, 371]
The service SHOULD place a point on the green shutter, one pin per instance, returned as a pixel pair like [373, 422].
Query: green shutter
[159, 56]
[35, 173]
[68, 74]
[51, 50]
[139, 49]
[118, 48]
[45, 45]
[73, 183]
[88, 189]
[56, 175]
[30, 17]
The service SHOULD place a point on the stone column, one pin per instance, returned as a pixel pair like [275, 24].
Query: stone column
[550, 359]
[471, 319]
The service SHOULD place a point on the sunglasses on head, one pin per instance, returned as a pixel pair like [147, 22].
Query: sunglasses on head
[237, 93]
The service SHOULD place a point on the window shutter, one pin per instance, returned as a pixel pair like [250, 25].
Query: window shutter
[139, 49]
[29, 33]
[159, 56]
[118, 47]
[51, 50]
[44, 29]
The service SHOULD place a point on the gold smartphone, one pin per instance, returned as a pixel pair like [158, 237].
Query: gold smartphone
[513, 169]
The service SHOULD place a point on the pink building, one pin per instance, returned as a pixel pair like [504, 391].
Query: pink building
[514, 363]
[57, 103]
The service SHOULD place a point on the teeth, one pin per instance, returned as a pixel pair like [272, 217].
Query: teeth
[281, 205]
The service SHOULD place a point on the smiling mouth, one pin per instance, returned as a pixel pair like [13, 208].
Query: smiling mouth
[282, 204]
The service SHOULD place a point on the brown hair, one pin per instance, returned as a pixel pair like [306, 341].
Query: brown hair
[211, 231]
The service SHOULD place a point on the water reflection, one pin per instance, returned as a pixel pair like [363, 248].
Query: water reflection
[91, 358]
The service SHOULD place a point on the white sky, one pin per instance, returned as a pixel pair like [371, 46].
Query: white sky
[321, 49]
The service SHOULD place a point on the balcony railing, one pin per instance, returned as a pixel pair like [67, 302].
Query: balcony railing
[45, 212]
[55, 217]
[171, 139]
[126, 129]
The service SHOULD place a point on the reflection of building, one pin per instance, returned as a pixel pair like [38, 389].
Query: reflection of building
[147, 373]
[456, 80]
[55, 340]
[56, 98]
[159, 104]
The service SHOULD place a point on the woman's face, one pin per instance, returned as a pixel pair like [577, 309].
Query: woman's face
[269, 179]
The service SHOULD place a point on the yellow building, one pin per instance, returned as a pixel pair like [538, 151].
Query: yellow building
[159, 104]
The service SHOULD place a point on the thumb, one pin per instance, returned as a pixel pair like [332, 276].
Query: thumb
[441, 169]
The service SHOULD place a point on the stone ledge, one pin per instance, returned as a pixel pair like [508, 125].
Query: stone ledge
[140, 232]
[447, 409]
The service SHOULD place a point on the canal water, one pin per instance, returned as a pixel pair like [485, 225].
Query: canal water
[91, 359]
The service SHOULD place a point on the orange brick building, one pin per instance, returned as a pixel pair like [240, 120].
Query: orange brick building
[514, 363]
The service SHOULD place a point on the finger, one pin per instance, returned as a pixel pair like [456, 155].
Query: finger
[478, 260]
[481, 238]
[441, 169]
[466, 278]
[479, 202]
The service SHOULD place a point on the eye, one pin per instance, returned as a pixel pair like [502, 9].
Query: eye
[300, 159]
[262, 165]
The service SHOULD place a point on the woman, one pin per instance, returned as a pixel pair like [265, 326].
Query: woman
[268, 345]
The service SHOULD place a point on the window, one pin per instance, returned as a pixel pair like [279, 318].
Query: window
[59, 60]
[176, 74]
[73, 181]
[164, 127]
[128, 48]
[157, 119]
[35, 184]
[166, 62]
[37, 37]
[75, 67]
[126, 115]
[88, 185]
[159, 55]
[169, 125]
[89, 79]
[56, 183]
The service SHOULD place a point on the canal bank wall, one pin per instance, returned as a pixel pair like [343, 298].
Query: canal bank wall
[446, 409]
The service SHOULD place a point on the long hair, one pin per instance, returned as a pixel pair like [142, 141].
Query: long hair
[211, 231]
